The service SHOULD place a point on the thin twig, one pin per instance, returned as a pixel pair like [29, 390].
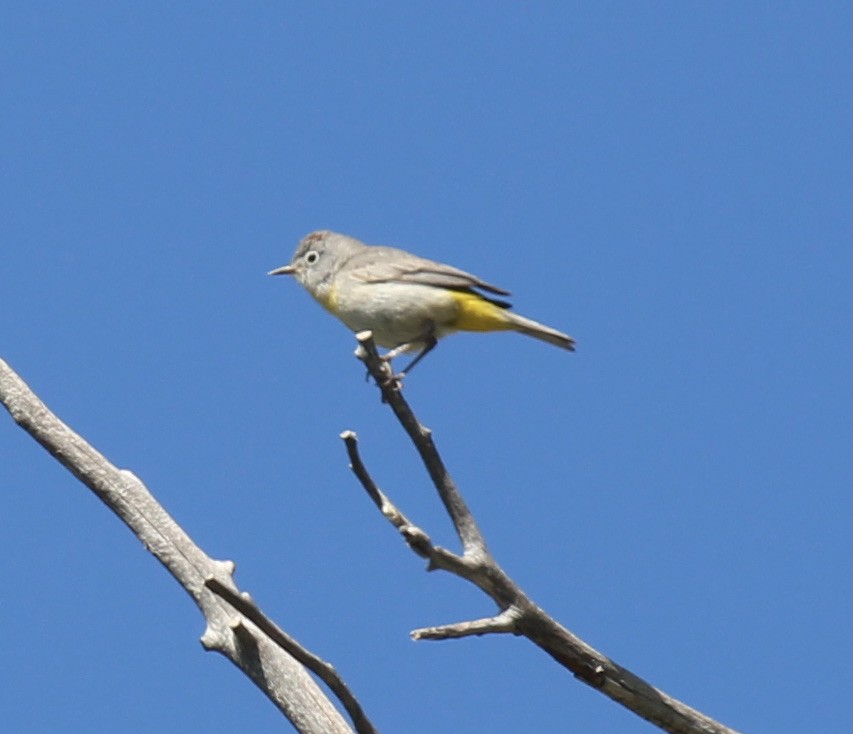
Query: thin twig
[323, 670]
[503, 623]
[416, 538]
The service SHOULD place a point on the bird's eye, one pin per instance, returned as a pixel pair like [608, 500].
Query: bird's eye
[312, 257]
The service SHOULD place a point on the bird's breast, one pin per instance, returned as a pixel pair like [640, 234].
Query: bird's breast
[396, 313]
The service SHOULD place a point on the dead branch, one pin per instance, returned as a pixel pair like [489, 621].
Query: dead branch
[235, 627]
[518, 614]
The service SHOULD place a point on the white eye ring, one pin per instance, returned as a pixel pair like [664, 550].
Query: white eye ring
[312, 257]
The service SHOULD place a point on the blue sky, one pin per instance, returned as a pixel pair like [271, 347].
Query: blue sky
[668, 182]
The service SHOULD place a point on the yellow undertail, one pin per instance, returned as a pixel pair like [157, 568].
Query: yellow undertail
[479, 314]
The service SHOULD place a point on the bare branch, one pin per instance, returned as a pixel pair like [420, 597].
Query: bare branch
[270, 665]
[466, 527]
[503, 623]
[386, 507]
[518, 614]
[417, 539]
[326, 672]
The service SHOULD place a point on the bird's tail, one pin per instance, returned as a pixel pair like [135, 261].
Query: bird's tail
[539, 331]
[479, 313]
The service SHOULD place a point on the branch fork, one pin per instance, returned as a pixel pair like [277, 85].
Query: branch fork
[235, 627]
[517, 614]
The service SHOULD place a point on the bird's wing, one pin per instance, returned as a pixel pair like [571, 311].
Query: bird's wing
[389, 265]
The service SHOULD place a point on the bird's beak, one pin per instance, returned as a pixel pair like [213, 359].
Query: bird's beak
[283, 270]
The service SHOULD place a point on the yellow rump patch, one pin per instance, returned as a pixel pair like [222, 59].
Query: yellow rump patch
[477, 314]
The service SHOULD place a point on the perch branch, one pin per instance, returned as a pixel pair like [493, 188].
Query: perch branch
[273, 667]
[466, 527]
[518, 615]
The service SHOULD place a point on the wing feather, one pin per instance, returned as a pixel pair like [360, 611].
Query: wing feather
[388, 264]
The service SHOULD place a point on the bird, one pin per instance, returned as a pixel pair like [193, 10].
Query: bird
[407, 301]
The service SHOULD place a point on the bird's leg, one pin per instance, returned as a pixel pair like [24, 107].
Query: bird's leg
[396, 352]
[429, 341]
[429, 345]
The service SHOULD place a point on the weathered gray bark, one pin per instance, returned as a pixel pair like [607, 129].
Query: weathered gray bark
[279, 674]
[517, 613]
